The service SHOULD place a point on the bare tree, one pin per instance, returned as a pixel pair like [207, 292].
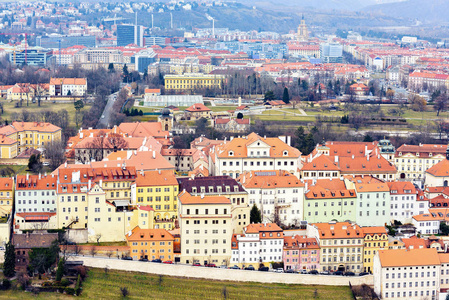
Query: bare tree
[93, 251]
[95, 148]
[115, 142]
[55, 152]
[109, 253]
[98, 237]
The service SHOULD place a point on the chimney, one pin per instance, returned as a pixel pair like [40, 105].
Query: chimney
[353, 156]
[89, 184]
[154, 154]
[101, 182]
[65, 164]
[336, 158]
[159, 172]
[28, 176]
[39, 176]
[367, 157]
[307, 187]
[81, 135]
[289, 140]
[202, 195]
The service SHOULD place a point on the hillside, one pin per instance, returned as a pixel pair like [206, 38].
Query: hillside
[429, 11]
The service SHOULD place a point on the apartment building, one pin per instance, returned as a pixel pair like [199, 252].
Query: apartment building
[437, 176]
[68, 86]
[301, 253]
[376, 238]
[6, 196]
[193, 81]
[278, 195]
[34, 135]
[159, 190]
[197, 111]
[341, 245]
[222, 186]
[150, 244]
[259, 245]
[326, 200]
[206, 229]
[373, 200]
[407, 274]
[429, 222]
[405, 201]
[254, 153]
[412, 161]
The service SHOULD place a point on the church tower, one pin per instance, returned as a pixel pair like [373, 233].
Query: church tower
[303, 33]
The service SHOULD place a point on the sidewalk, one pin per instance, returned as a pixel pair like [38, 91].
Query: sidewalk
[221, 274]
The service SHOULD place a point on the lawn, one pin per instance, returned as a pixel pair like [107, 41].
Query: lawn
[19, 169]
[8, 108]
[146, 286]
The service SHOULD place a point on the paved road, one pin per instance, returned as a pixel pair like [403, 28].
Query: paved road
[105, 122]
[220, 274]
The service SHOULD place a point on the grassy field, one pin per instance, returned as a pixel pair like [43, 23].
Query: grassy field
[19, 169]
[8, 108]
[146, 286]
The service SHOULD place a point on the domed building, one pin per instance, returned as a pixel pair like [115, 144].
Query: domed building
[166, 119]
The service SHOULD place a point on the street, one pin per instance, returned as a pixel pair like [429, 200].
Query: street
[105, 118]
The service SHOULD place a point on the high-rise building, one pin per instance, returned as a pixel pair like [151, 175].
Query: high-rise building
[52, 41]
[303, 32]
[129, 34]
[331, 53]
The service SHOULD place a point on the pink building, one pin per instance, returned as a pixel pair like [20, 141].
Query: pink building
[301, 253]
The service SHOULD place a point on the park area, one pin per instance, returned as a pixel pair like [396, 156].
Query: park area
[110, 284]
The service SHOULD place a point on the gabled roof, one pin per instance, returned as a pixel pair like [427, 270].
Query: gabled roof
[68, 81]
[156, 178]
[300, 242]
[262, 227]
[144, 129]
[198, 107]
[36, 182]
[402, 187]
[320, 163]
[440, 169]
[34, 240]
[421, 149]
[188, 184]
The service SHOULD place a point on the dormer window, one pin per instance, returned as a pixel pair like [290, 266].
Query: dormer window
[285, 153]
[231, 153]
[430, 154]
[417, 154]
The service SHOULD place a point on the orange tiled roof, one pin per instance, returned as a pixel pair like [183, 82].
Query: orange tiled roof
[320, 163]
[422, 149]
[340, 230]
[28, 126]
[144, 129]
[33, 182]
[263, 228]
[138, 234]
[269, 179]
[186, 198]
[156, 178]
[405, 258]
[402, 187]
[440, 169]
[198, 107]
[239, 147]
[414, 243]
[300, 242]
[68, 81]
[6, 183]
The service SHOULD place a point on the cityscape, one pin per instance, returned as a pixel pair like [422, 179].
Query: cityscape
[224, 149]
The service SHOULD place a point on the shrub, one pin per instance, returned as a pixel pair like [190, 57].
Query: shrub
[70, 291]
[65, 282]
[6, 284]
[78, 285]
[124, 291]
[82, 271]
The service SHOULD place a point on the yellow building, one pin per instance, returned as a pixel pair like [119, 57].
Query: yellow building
[206, 229]
[376, 238]
[193, 81]
[159, 190]
[6, 195]
[8, 147]
[30, 135]
[151, 244]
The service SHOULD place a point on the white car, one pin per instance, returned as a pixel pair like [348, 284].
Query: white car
[102, 116]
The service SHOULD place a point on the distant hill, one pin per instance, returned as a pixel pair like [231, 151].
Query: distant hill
[351, 5]
[432, 11]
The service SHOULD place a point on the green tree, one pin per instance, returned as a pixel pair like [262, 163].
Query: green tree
[78, 107]
[125, 73]
[255, 215]
[239, 115]
[269, 95]
[34, 163]
[444, 229]
[305, 85]
[9, 265]
[367, 138]
[111, 68]
[286, 96]
[42, 259]
[60, 270]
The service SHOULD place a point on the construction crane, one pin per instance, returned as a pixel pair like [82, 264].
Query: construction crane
[26, 43]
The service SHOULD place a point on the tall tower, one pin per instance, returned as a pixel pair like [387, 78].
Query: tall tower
[303, 33]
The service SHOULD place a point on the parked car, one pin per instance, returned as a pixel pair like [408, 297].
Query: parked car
[264, 269]
[143, 259]
[167, 262]
[223, 267]
[211, 266]
[325, 273]
[196, 265]
[303, 272]
[127, 258]
[313, 272]
[156, 260]
[363, 273]
[250, 268]
[234, 267]
[290, 271]
[349, 274]
[279, 270]
[339, 273]
[45, 163]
